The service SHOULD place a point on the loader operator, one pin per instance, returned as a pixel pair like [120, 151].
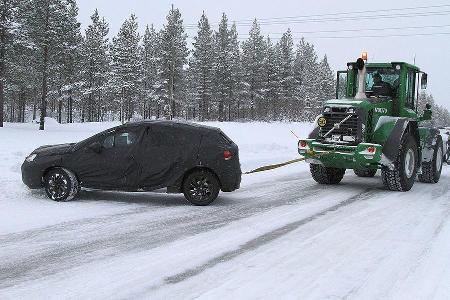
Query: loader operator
[379, 87]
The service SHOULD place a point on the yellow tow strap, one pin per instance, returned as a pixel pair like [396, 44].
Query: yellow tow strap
[276, 166]
[271, 167]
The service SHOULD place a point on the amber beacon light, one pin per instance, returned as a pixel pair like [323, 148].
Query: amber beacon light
[364, 56]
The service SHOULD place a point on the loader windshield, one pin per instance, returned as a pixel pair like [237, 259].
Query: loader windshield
[382, 82]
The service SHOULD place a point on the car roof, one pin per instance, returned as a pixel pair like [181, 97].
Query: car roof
[172, 123]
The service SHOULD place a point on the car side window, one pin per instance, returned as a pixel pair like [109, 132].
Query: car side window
[120, 139]
[108, 142]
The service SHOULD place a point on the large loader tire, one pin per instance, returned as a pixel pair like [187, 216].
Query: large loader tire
[431, 171]
[365, 172]
[325, 175]
[405, 171]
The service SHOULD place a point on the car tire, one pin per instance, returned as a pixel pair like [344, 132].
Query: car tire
[61, 184]
[431, 171]
[365, 172]
[405, 170]
[201, 187]
[326, 175]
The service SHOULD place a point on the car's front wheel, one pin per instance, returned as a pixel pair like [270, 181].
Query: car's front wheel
[201, 187]
[61, 184]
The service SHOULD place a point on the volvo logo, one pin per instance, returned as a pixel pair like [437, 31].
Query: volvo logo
[381, 110]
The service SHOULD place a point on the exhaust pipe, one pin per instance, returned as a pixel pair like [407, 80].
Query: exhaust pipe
[361, 93]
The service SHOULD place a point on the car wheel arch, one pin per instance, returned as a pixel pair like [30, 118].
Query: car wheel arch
[46, 171]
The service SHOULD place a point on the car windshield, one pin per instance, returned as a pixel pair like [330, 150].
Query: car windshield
[93, 138]
[382, 82]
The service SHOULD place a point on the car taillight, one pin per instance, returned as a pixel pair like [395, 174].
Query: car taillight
[371, 149]
[227, 155]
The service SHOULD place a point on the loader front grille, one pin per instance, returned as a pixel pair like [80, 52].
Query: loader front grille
[346, 133]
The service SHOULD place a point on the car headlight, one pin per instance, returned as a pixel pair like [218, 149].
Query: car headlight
[31, 157]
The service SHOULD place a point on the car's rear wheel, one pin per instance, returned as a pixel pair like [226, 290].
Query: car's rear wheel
[61, 184]
[201, 187]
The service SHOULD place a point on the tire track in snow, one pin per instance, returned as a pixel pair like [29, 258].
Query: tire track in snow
[437, 192]
[142, 235]
[143, 198]
[265, 239]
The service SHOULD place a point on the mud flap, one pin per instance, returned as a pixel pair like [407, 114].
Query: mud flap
[392, 145]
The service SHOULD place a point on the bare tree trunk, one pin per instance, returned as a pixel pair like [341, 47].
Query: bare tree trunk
[70, 107]
[221, 107]
[2, 60]
[171, 82]
[59, 106]
[44, 71]
[22, 106]
[44, 90]
[12, 112]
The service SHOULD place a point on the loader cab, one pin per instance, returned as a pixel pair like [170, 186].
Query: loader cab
[395, 82]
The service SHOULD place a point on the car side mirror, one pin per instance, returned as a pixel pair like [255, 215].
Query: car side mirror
[427, 113]
[96, 147]
[424, 81]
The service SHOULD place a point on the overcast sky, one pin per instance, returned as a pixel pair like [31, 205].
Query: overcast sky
[430, 51]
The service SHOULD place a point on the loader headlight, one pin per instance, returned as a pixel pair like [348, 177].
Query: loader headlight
[327, 109]
[31, 157]
[351, 110]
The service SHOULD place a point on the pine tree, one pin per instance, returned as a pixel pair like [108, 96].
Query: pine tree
[150, 72]
[327, 83]
[68, 58]
[43, 25]
[273, 85]
[5, 28]
[126, 66]
[222, 66]
[253, 50]
[14, 62]
[235, 84]
[173, 57]
[202, 65]
[305, 72]
[95, 69]
[288, 81]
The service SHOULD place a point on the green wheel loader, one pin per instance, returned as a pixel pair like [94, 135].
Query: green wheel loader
[374, 124]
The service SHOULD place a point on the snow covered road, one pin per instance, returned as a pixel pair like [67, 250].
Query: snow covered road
[280, 236]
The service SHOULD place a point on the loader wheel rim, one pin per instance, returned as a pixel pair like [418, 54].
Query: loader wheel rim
[410, 162]
[439, 158]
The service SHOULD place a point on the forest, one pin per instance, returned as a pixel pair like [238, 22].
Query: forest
[50, 68]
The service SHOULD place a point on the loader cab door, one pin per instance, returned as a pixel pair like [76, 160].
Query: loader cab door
[410, 89]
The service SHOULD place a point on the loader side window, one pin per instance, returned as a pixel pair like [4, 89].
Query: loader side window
[341, 84]
[410, 88]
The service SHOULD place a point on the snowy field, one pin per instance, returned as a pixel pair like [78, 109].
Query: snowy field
[280, 236]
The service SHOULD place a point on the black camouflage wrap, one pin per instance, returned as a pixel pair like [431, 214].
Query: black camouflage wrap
[161, 154]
